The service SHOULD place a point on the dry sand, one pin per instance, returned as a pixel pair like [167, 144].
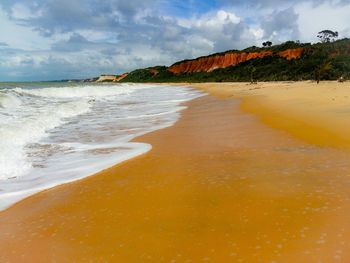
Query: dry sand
[219, 186]
[319, 114]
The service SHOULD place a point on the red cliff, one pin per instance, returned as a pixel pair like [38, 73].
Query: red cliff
[210, 63]
[121, 77]
[291, 53]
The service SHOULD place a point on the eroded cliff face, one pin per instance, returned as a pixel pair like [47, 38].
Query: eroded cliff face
[210, 63]
[291, 53]
[121, 77]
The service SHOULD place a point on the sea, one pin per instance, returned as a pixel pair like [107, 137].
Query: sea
[58, 132]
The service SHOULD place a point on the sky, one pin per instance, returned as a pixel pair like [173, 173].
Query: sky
[76, 39]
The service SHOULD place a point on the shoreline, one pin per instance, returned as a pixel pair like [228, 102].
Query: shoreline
[19, 197]
[219, 185]
[112, 146]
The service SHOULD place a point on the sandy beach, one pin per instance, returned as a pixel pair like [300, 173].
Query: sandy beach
[250, 173]
[318, 114]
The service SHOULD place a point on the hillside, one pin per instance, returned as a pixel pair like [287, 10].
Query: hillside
[288, 61]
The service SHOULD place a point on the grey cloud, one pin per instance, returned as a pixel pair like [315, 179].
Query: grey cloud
[140, 41]
[75, 43]
[68, 15]
[281, 23]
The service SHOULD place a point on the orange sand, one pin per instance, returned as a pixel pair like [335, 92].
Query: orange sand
[318, 114]
[219, 186]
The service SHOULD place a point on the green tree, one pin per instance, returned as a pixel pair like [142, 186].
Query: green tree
[327, 36]
[267, 44]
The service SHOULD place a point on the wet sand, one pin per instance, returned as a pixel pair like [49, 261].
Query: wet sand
[218, 186]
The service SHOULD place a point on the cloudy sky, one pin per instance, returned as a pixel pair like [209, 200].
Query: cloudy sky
[59, 39]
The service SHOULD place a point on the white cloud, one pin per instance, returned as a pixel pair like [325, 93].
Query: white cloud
[21, 37]
[22, 12]
[313, 19]
[258, 33]
[210, 20]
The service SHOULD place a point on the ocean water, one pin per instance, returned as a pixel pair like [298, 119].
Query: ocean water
[55, 133]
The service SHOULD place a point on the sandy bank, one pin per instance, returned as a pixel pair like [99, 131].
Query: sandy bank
[319, 114]
[217, 187]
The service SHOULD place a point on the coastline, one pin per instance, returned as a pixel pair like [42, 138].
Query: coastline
[217, 186]
[80, 138]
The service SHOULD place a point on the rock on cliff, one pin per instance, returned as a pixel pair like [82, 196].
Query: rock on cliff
[210, 63]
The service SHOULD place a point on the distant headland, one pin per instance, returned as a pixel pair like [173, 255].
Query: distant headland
[289, 61]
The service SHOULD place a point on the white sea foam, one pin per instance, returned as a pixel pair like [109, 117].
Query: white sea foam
[22, 129]
[54, 135]
[91, 91]
[9, 101]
